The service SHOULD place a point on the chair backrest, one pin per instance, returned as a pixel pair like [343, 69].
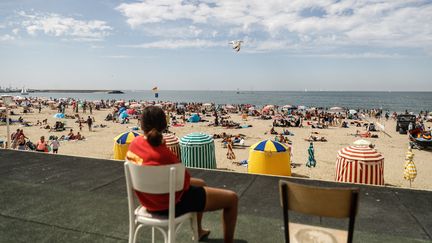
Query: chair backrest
[154, 179]
[161, 179]
[319, 201]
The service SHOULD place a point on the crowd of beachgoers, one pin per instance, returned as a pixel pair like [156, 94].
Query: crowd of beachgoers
[87, 128]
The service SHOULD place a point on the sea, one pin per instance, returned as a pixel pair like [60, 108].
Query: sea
[388, 101]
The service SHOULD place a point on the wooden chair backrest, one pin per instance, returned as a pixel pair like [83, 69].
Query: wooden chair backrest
[319, 201]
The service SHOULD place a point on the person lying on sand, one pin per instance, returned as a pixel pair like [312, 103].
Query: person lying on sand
[315, 139]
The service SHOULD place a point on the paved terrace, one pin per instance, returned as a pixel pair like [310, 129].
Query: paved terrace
[48, 198]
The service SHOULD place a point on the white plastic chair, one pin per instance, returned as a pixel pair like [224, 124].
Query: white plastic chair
[162, 179]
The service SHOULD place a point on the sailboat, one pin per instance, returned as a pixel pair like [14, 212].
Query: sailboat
[24, 91]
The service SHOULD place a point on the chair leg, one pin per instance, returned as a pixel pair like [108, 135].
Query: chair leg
[132, 228]
[194, 226]
[153, 235]
[136, 233]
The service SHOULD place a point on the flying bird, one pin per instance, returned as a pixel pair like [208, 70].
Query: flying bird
[236, 45]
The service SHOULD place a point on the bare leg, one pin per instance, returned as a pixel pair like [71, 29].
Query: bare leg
[201, 231]
[228, 201]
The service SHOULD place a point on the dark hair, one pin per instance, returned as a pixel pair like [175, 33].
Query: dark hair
[153, 123]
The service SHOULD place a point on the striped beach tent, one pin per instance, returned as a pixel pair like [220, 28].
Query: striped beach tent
[198, 150]
[360, 164]
[172, 142]
[121, 144]
[269, 157]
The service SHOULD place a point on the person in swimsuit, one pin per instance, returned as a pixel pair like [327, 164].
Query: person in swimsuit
[41, 145]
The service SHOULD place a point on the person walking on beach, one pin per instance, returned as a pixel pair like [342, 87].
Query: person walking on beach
[230, 152]
[14, 138]
[55, 144]
[150, 150]
[89, 123]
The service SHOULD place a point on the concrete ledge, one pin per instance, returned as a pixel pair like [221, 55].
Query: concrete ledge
[48, 198]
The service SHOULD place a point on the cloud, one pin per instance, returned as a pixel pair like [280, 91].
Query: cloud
[305, 24]
[176, 44]
[6, 38]
[66, 27]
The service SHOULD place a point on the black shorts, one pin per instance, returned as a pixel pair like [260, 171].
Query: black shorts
[193, 200]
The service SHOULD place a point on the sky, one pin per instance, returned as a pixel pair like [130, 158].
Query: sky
[337, 45]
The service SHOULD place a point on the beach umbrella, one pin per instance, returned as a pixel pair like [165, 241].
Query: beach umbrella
[59, 116]
[121, 144]
[229, 107]
[206, 104]
[352, 112]
[360, 164]
[269, 157]
[197, 150]
[287, 107]
[410, 171]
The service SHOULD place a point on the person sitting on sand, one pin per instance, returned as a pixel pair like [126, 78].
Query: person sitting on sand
[38, 123]
[79, 136]
[70, 136]
[272, 131]
[150, 150]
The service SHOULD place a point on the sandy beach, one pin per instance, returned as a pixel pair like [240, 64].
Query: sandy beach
[99, 144]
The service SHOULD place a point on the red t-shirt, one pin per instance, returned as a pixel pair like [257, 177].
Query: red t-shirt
[142, 153]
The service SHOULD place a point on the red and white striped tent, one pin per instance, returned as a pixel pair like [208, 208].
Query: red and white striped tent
[172, 142]
[360, 164]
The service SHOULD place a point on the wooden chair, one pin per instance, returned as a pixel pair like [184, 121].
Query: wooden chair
[318, 201]
[163, 179]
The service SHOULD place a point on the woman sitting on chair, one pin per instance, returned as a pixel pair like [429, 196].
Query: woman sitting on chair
[150, 150]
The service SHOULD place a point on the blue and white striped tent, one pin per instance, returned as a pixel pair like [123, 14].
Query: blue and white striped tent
[198, 150]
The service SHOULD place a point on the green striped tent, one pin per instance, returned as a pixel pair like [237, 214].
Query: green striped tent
[197, 150]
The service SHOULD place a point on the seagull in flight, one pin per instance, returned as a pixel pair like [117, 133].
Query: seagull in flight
[236, 45]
